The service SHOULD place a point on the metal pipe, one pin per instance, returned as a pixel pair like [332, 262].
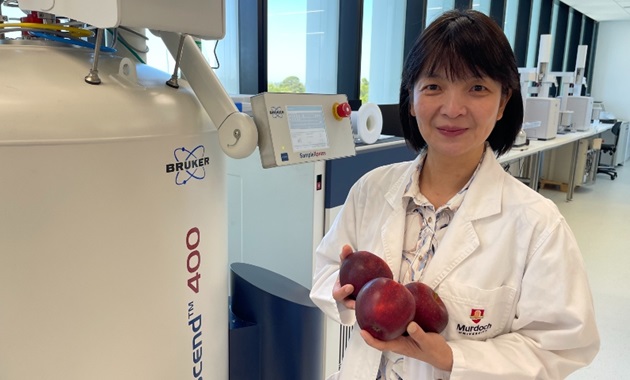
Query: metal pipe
[173, 82]
[574, 159]
[92, 77]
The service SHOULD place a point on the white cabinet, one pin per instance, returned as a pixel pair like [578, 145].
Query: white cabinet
[272, 215]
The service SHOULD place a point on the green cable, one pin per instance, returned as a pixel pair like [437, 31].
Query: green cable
[131, 50]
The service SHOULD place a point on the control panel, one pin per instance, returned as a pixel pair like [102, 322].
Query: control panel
[298, 128]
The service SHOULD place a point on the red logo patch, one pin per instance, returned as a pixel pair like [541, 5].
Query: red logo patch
[476, 315]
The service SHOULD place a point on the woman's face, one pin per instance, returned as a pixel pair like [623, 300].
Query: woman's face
[455, 117]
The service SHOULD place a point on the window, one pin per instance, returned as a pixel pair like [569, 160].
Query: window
[225, 61]
[302, 45]
[382, 50]
[509, 26]
[482, 6]
[227, 50]
[534, 40]
[437, 7]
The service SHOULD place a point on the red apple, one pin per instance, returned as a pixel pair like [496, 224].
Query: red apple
[360, 267]
[430, 313]
[384, 308]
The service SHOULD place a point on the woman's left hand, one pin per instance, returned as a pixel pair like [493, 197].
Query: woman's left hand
[427, 347]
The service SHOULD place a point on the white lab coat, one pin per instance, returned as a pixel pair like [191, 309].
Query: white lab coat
[508, 252]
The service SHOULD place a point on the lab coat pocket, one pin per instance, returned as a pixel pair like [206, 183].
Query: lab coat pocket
[475, 313]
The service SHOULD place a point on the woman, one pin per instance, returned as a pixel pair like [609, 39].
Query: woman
[500, 255]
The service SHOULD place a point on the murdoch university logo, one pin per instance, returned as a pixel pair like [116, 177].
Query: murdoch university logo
[476, 315]
[276, 112]
[189, 164]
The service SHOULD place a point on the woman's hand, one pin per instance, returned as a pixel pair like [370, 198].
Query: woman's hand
[427, 347]
[341, 293]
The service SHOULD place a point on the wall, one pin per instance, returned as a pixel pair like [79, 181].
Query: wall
[611, 76]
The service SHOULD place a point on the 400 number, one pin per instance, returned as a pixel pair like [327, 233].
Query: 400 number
[194, 259]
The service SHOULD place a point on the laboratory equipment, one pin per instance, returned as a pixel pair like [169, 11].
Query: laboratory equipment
[539, 107]
[289, 338]
[112, 248]
[298, 128]
[276, 215]
[575, 115]
[579, 80]
[565, 120]
[113, 237]
[544, 80]
[582, 108]
[367, 123]
[598, 108]
[571, 102]
[205, 19]
[521, 139]
[527, 76]
[546, 111]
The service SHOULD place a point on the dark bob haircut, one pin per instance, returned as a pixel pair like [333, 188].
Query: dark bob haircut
[460, 43]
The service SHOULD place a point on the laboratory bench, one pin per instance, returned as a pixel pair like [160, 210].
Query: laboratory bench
[533, 153]
[535, 150]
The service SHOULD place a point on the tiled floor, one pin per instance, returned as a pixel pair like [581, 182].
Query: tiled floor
[600, 218]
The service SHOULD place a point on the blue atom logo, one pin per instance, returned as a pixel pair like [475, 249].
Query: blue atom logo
[192, 163]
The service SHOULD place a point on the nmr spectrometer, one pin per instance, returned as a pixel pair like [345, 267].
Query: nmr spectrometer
[113, 232]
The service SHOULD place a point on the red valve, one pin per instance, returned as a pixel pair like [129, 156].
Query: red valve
[32, 17]
[341, 110]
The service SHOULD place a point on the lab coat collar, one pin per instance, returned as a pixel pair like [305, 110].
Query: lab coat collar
[485, 193]
[397, 189]
[483, 199]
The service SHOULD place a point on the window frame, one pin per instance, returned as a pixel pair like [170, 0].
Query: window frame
[553, 19]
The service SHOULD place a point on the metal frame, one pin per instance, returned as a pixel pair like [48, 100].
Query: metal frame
[561, 21]
[521, 38]
[253, 73]
[349, 55]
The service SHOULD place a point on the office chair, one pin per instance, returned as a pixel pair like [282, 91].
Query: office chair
[610, 149]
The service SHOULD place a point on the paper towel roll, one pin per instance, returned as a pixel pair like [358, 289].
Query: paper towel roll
[367, 123]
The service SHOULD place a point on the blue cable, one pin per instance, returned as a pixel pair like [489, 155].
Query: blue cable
[77, 42]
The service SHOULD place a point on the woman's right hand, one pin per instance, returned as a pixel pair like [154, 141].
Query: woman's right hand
[341, 293]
